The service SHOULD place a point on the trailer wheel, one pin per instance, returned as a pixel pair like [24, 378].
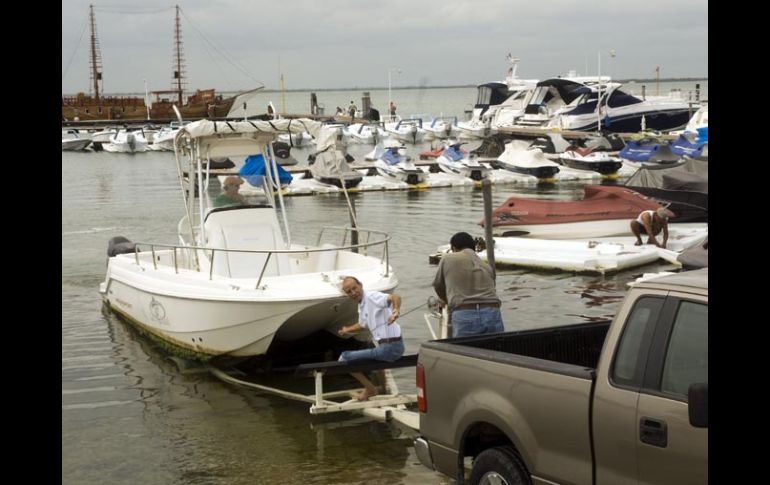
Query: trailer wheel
[499, 466]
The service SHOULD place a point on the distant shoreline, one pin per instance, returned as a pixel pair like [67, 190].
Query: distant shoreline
[380, 88]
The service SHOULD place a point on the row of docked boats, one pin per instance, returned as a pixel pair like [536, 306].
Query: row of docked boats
[572, 102]
[122, 140]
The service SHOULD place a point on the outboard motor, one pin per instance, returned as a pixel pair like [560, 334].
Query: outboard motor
[120, 245]
[281, 149]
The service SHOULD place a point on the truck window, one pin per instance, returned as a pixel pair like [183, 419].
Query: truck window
[631, 354]
[687, 357]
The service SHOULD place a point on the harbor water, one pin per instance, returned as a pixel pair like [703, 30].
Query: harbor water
[132, 415]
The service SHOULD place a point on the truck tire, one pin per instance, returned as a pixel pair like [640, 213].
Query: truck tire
[499, 466]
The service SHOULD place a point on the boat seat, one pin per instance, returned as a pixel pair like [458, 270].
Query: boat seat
[227, 230]
[327, 260]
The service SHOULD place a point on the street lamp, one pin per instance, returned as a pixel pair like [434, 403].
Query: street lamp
[599, 89]
[390, 98]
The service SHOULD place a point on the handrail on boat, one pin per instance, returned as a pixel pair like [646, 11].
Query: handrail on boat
[368, 233]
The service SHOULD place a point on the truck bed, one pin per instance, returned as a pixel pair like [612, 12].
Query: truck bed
[572, 349]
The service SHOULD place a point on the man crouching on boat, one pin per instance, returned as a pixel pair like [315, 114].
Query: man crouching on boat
[375, 314]
[651, 222]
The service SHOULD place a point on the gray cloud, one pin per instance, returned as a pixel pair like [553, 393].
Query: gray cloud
[352, 43]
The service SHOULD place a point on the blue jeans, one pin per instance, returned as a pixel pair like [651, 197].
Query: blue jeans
[476, 321]
[388, 352]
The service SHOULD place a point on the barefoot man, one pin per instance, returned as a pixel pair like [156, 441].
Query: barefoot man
[377, 312]
[651, 223]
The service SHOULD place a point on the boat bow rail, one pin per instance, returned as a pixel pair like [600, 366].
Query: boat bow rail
[324, 262]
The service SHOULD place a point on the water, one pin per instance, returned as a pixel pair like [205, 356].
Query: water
[129, 415]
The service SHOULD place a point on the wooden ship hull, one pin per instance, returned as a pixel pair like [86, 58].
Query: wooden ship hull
[203, 104]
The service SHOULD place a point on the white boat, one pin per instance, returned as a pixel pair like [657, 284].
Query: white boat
[599, 255]
[235, 281]
[452, 160]
[616, 110]
[497, 104]
[364, 133]
[595, 161]
[74, 140]
[125, 141]
[407, 130]
[554, 96]
[393, 164]
[440, 128]
[518, 157]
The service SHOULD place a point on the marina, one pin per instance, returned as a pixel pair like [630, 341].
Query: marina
[119, 381]
[213, 228]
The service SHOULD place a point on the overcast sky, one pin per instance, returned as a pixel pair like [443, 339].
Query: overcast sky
[234, 44]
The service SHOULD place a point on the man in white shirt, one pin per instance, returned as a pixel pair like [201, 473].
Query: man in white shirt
[377, 312]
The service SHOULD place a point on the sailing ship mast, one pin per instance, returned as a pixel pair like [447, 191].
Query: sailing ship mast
[179, 72]
[96, 57]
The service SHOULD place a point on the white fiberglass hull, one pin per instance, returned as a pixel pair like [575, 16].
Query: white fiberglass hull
[568, 230]
[600, 255]
[475, 172]
[227, 316]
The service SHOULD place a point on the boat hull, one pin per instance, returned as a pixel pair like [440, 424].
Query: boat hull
[604, 167]
[604, 211]
[206, 318]
[541, 172]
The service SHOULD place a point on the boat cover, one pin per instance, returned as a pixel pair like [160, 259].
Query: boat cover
[601, 202]
[254, 171]
[691, 175]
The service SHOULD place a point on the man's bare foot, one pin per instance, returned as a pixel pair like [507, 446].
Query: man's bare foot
[638, 243]
[366, 394]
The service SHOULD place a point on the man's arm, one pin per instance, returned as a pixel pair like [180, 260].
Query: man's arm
[665, 233]
[395, 304]
[438, 282]
[350, 329]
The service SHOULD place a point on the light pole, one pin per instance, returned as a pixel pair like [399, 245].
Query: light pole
[390, 98]
[599, 88]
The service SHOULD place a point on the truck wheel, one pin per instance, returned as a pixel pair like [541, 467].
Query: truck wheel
[499, 466]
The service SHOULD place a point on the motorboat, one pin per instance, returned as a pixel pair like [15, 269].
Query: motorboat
[690, 144]
[604, 106]
[127, 141]
[331, 167]
[649, 151]
[364, 133]
[588, 159]
[683, 189]
[393, 164]
[518, 157]
[554, 96]
[407, 130]
[603, 211]
[236, 283]
[439, 128]
[74, 140]
[453, 160]
[508, 98]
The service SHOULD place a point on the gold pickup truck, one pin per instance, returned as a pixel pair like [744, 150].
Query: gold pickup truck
[620, 402]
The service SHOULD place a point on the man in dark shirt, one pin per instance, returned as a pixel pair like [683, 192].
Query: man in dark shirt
[466, 284]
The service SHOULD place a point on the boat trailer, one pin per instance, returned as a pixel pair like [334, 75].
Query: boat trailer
[386, 407]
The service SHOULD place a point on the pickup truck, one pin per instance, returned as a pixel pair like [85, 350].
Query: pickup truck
[608, 402]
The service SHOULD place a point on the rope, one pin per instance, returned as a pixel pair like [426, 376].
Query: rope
[413, 309]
